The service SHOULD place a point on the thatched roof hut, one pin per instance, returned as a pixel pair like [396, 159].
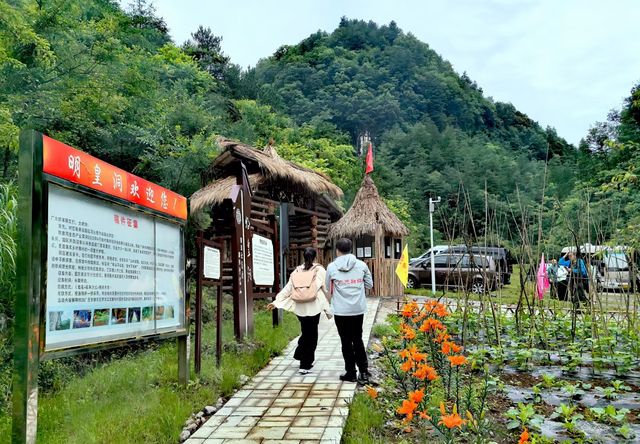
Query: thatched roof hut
[295, 202]
[377, 235]
[266, 170]
[367, 215]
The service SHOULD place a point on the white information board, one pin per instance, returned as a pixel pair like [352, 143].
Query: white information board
[211, 263]
[263, 265]
[112, 272]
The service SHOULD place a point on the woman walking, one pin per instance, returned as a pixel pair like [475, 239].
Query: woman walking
[306, 297]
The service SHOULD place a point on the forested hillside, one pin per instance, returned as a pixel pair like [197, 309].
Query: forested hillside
[434, 131]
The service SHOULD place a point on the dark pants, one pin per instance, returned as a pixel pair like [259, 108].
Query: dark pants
[353, 352]
[306, 350]
[563, 288]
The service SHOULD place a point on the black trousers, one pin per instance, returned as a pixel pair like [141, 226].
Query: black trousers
[353, 352]
[306, 349]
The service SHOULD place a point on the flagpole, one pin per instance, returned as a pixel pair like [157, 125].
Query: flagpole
[432, 205]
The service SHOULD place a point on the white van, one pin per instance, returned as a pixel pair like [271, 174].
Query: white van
[614, 271]
[438, 249]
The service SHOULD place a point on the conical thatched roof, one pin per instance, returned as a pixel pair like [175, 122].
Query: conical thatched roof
[265, 167]
[367, 214]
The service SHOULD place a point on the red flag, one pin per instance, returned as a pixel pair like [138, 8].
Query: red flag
[369, 160]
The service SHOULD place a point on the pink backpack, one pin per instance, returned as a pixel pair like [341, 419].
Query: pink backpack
[305, 287]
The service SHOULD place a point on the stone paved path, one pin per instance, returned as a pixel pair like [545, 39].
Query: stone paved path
[280, 406]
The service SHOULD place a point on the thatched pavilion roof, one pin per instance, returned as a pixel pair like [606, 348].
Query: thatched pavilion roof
[265, 167]
[367, 214]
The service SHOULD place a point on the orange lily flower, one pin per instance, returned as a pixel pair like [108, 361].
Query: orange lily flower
[407, 366]
[524, 437]
[426, 372]
[416, 396]
[452, 420]
[409, 334]
[441, 311]
[407, 408]
[372, 392]
[431, 324]
[404, 353]
[442, 336]
[457, 360]
[409, 309]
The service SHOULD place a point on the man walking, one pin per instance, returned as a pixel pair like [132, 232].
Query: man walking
[347, 278]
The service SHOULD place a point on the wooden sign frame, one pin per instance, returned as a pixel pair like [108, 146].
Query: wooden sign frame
[201, 281]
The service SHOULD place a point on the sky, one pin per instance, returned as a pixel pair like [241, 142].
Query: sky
[564, 63]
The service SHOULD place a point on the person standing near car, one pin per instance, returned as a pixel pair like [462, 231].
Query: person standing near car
[578, 276]
[346, 281]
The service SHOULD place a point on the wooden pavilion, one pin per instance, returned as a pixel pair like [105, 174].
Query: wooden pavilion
[286, 202]
[377, 235]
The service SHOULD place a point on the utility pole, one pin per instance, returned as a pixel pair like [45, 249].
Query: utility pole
[432, 205]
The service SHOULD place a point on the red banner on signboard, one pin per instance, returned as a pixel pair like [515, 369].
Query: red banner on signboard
[68, 163]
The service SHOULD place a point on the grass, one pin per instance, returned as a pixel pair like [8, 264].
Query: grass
[381, 330]
[137, 398]
[365, 423]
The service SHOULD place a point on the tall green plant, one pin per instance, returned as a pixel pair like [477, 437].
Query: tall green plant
[8, 231]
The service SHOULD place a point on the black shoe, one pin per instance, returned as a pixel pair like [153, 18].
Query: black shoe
[364, 378]
[349, 377]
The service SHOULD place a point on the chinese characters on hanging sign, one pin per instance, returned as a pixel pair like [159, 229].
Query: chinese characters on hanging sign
[65, 162]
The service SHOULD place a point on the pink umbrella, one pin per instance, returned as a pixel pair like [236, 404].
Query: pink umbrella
[542, 278]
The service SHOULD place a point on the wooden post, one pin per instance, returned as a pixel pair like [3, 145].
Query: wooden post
[183, 360]
[198, 316]
[273, 224]
[241, 255]
[30, 297]
[219, 325]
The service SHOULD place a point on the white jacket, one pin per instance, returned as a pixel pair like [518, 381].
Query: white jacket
[312, 308]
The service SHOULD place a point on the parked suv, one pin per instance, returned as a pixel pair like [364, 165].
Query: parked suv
[502, 257]
[476, 273]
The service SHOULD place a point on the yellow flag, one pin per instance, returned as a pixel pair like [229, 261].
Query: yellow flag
[402, 270]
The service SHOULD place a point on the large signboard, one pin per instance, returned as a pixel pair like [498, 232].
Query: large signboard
[115, 267]
[101, 263]
[111, 272]
[263, 267]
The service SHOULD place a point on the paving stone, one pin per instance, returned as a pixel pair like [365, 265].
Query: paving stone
[304, 433]
[259, 432]
[242, 441]
[236, 432]
[202, 432]
[332, 433]
[281, 441]
[319, 402]
[289, 402]
[302, 421]
[319, 421]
